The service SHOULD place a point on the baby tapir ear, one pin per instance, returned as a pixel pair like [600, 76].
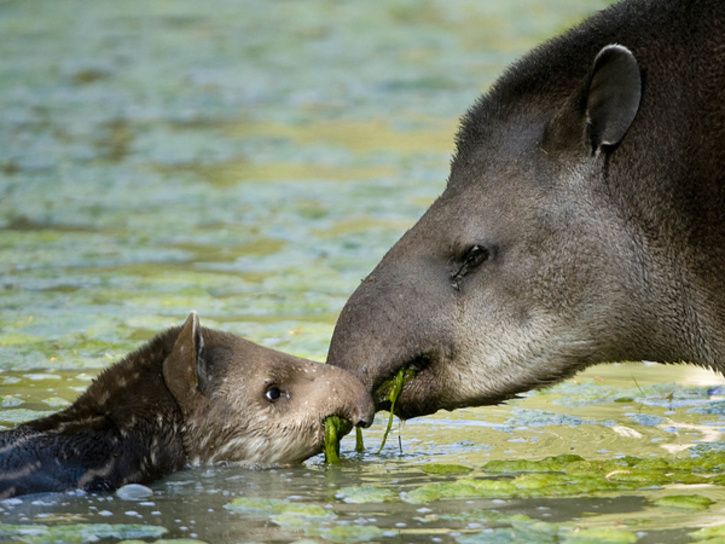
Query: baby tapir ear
[602, 109]
[182, 366]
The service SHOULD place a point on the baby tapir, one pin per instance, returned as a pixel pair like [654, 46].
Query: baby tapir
[191, 395]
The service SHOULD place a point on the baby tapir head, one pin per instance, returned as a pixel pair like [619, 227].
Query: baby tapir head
[245, 403]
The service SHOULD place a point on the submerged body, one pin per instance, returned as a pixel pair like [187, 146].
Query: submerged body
[189, 396]
[583, 222]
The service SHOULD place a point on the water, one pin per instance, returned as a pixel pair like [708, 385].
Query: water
[254, 161]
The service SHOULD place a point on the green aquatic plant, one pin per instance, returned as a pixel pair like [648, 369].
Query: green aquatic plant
[344, 534]
[684, 502]
[396, 386]
[549, 533]
[437, 468]
[359, 444]
[77, 533]
[548, 464]
[712, 535]
[570, 475]
[261, 508]
[335, 429]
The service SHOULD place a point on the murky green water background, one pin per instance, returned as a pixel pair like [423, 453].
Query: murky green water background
[253, 161]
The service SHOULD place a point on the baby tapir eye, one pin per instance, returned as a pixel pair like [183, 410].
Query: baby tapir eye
[273, 394]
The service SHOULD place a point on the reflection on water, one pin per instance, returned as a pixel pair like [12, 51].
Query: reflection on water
[253, 161]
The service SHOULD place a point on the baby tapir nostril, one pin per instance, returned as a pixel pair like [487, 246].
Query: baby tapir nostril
[363, 414]
[361, 421]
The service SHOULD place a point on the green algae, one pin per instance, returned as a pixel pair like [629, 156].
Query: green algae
[282, 512]
[684, 502]
[542, 418]
[513, 528]
[311, 519]
[438, 468]
[456, 490]
[559, 476]
[349, 533]
[335, 429]
[709, 534]
[359, 444]
[481, 516]
[8, 402]
[544, 533]
[21, 415]
[600, 536]
[549, 464]
[47, 534]
[394, 386]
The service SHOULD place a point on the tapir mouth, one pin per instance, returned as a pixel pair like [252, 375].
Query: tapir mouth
[426, 391]
[381, 390]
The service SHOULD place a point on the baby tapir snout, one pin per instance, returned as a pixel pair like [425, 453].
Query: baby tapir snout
[341, 394]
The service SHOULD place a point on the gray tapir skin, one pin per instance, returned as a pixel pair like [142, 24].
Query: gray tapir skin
[583, 221]
[191, 395]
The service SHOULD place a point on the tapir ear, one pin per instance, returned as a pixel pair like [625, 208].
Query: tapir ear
[615, 90]
[181, 367]
[601, 110]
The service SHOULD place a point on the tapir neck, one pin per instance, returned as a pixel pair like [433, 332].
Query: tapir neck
[678, 295]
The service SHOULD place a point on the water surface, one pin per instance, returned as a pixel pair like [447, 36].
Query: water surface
[254, 161]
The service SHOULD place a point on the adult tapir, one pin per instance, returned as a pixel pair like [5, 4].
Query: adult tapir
[583, 221]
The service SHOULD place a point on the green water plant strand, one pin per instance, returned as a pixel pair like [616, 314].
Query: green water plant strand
[397, 386]
[335, 429]
[359, 445]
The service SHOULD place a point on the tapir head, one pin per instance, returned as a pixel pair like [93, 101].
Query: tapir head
[519, 274]
[245, 403]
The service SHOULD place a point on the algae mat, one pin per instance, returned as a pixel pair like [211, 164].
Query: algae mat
[254, 161]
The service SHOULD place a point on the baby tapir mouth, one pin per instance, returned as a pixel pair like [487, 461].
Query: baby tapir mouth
[360, 414]
[358, 418]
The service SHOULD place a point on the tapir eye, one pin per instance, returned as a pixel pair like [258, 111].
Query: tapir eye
[475, 256]
[273, 394]
[472, 259]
